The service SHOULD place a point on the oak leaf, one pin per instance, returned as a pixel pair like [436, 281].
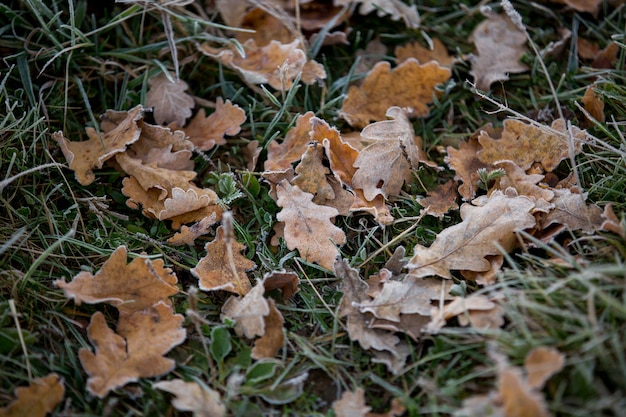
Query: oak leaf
[541, 363]
[525, 184]
[571, 210]
[312, 175]
[409, 85]
[168, 98]
[273, 337]
[248, 312]
[384, 166]
[224, 267]
[136, 352]
[38, 399]
[396, 9]
[189, 234]
[307, 225]
[83, 157]
[129, 287]
[438, 53]
[525, 144]
[585, 6]
[500, 46]
[161, 147]
[285, 281]
[280, 156]
[440, 200]
[205, 132]
[593, 104]
[477, 310]
[488, 227]
[191, 396]
[352, 404]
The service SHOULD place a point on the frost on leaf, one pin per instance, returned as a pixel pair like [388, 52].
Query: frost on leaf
[409, 85]
[312, 175]
[248, 312]
[352, 404]
[500, 46]
[273, 338]
[170, 101]
[189, 234]
[440, 200]
[525, 184]
[384, 166]
[205, 132]
[396, 9]
[571, 210]
[160, 147]
[38, 399]
[280, 156]
[191, 396]
[477, 310]
[136, 352]
[466, 164]
[224, 267]
[488, 227]
[83, 157]
[129, 287]
[415, 50]
[526, 144]
[276, 64]
[307, 225]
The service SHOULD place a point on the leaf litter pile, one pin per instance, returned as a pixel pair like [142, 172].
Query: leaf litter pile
[500, 191]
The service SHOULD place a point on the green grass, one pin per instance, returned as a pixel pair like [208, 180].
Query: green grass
[58, 74]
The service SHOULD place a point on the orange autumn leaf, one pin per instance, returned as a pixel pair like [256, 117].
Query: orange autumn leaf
[488, 227]
[409, 85]
[525, 184]
[440, 200]
[83, 157]
[136, 352]
[205, 132]
[500, 45]
[307, 225]
[129, 287]
[415, 50]
[593, 104]
[194, 397]
[517, 397]
[541, 363]
[37, 399]
[169, 100]
[224, 267]
[284, 281]
[189, 234]
[525, 144]
[588, 6]
[280, 156]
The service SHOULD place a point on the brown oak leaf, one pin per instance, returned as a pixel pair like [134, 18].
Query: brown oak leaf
[541, 363]
[168, 98]
[285, 281]
[161, 147]
[129, 287]
[525, 184]
[384, 166]
[488, 227]
[500, 44]
[136, 352]
[395, 9]
[440, 200]
[525, 144]
[438, 53]
[205, 132]
[409, 85]
[248, 311]
[37, 399]
[312, 174]
[307, 225]
[588, 6]
[191, 396]
[352, 404]
[280, 156]
[224, 267]
[571, 210]
[477, 310]
[189, 234]
[83, 157]
[273, 338]
[593, 104]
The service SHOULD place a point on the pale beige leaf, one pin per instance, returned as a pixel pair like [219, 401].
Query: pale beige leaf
[205, 132]
[37, 399]
[191, 396]
[395, 9]
[274, 337]
[541, 363]
[248, 312]
[170, 101]
[351, 404]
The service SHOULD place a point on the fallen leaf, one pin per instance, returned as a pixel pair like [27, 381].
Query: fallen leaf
[585, 6]
[611, 222]
[593, 104]
[351, 404]
[191, 396]
[189, 234]
[205, 132]
[340, 154]
[525, 144]
[129, 287]
[273, 338]
[396, 9]
[224, 267]
[488, 227]
[438, 53]
[477, 310]
[307, 225]
[440, 200]
[525, 184]
[285, 281]
[409, 85]
[518, 399]
[500, 46]
[488, 277]
[38, 399]
[571, 210]
[384, 166]
[248, 312]
[374, 51]
[540, 364]
[161, 147]
[280, 156]
[168, 98]
[312, 174]
[83, 157]
[136, 352]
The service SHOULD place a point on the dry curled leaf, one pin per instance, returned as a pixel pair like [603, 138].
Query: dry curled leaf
[440, 200]
[352, 404]
[205, 132]
[593, 104]
[84, 157]
[409, 85]
[248, 312]
[307, 225]
[136, 352]
[224, 267]
[191, 396]
[129, 287]
[500, 45]
[37, 399]
[313, 175]
[488, 227]
[170, 101]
